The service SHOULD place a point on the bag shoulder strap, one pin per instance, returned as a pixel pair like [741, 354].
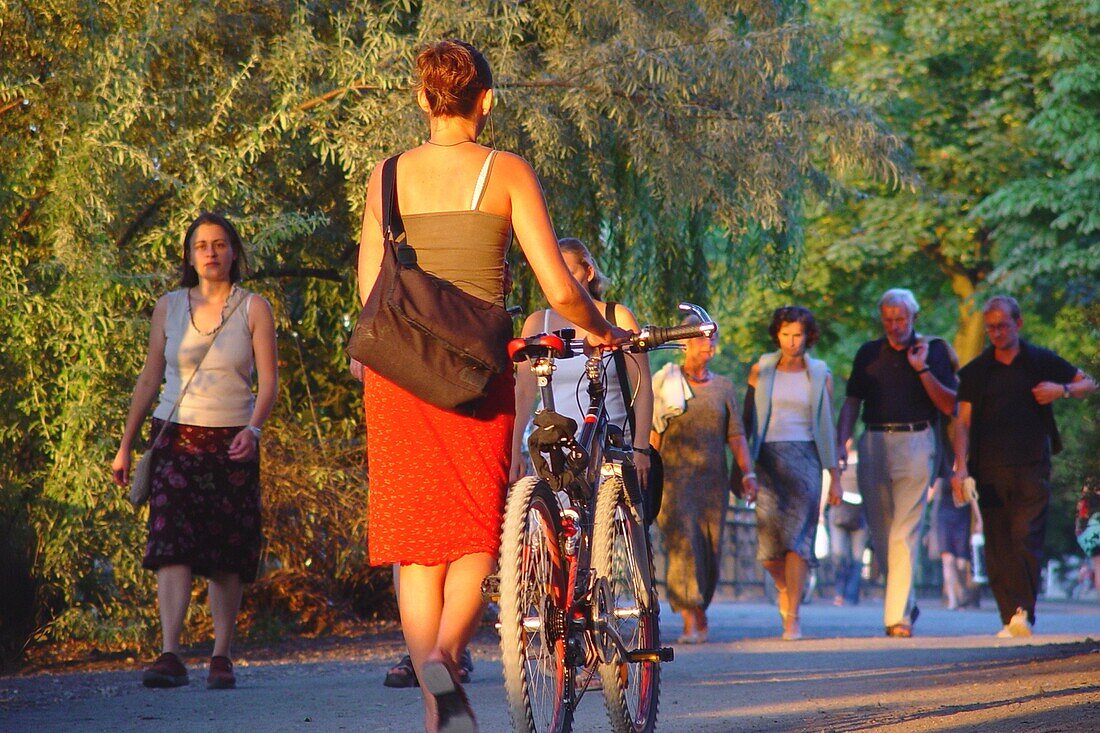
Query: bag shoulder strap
[620, 369]
[183, 391]
[392, 225]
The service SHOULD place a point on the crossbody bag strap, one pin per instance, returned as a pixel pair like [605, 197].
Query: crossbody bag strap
[393, 227]
[179, 400]
[620, 369]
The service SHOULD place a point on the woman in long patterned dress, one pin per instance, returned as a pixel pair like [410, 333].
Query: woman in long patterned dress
[204, 504]
[437, 479]
[793, 438]
[692, 430]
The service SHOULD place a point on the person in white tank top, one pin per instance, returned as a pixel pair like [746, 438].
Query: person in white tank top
[790, 419]
[209, 449]
[568, 372]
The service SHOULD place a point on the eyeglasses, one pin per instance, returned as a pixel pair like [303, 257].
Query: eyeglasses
[997, 327]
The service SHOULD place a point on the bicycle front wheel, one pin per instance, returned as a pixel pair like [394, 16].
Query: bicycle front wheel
[621, 555]
[533, 594]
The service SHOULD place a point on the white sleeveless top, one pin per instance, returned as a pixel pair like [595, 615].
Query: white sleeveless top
[792, 415]
[569, 373]
[220, 395]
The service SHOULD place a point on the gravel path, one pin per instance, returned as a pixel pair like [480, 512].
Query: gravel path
[952, 676]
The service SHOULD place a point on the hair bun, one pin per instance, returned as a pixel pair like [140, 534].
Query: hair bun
[452, 74]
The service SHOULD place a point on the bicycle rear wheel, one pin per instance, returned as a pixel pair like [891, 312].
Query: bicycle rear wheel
[533, 594]
[621, 555]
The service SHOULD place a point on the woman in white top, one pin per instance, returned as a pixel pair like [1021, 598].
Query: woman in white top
[570, 399]
[789, 417]
[204, 504]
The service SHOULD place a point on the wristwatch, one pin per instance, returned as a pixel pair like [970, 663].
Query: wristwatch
[255, 431]
[643, 451]
[1065, 391]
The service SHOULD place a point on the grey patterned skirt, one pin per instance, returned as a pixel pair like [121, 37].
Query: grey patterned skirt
[789, 500]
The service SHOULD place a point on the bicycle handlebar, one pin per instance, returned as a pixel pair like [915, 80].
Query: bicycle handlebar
[561, 345]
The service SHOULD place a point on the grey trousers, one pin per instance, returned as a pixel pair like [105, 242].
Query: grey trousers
[894, 472]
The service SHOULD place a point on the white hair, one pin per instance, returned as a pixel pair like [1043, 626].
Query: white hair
[899, 296]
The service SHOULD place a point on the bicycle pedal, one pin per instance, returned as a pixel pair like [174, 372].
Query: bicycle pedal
[490, 589]
[660, 654]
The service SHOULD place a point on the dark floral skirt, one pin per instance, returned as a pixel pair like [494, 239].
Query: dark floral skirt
[204, 509]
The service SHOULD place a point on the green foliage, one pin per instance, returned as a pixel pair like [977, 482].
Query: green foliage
[120, 121]
[997, 100]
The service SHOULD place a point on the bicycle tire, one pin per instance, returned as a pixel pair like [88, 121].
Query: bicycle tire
[533, 620]
[622, 555]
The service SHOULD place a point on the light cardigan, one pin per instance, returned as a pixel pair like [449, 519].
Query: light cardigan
[824, 430]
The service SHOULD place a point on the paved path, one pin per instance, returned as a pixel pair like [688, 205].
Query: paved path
[953, 676]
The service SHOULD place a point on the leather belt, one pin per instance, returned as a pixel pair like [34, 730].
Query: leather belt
[900, 427]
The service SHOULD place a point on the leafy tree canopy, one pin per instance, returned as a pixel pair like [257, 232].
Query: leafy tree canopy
[680, 138]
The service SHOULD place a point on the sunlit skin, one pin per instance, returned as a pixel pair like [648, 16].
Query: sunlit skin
[212, 255]
[578, 268]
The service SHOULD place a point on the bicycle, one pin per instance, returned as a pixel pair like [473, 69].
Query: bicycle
[576, 588]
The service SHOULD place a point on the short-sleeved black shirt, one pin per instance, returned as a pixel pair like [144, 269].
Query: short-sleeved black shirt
[1007, 426]
[890, 388]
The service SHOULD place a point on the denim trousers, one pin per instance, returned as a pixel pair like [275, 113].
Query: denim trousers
[846, 548]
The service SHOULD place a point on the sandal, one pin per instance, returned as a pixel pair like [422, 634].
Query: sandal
[402, 674]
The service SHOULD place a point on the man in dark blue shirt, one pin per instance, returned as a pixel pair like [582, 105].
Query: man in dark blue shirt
[904, 381]
[1004, 438]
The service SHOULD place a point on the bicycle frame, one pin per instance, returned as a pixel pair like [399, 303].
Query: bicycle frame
[602, 458]
[575, 585]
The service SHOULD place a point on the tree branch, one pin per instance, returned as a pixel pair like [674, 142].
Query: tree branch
[321, 273]
[137, 223]
[12, 104]
[329, 96]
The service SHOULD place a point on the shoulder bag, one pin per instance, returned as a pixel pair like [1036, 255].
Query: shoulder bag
[423, 333]
[654, 490]
[141, 478]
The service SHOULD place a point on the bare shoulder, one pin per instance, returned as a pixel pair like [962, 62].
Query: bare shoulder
[625, 317]
[515, 168]
[258, 301]
[166, 299]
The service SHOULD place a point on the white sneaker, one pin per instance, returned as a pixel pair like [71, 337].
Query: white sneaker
[1018, 625]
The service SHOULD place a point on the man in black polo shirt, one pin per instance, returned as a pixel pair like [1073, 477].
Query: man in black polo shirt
[903, 381]
[1005, 437]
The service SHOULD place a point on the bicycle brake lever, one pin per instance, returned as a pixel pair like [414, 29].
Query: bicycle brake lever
[696, 310]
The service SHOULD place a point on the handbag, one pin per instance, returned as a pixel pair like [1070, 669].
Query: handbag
[847, 516]
[423, 333]
[653, 491]
[141, 478]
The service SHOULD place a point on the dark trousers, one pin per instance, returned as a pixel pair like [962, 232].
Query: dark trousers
[1014, 502]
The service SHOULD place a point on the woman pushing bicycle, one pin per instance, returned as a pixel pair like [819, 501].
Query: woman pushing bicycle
[636, 392]
[438, 478]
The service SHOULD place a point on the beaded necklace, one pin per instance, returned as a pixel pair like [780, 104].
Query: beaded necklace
[221, 322]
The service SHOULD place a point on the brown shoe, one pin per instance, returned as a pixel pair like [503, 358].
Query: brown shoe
[221, 675]
[899, 631]
[167, 671]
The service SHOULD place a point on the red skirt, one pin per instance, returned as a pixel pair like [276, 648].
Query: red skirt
[437, 480]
